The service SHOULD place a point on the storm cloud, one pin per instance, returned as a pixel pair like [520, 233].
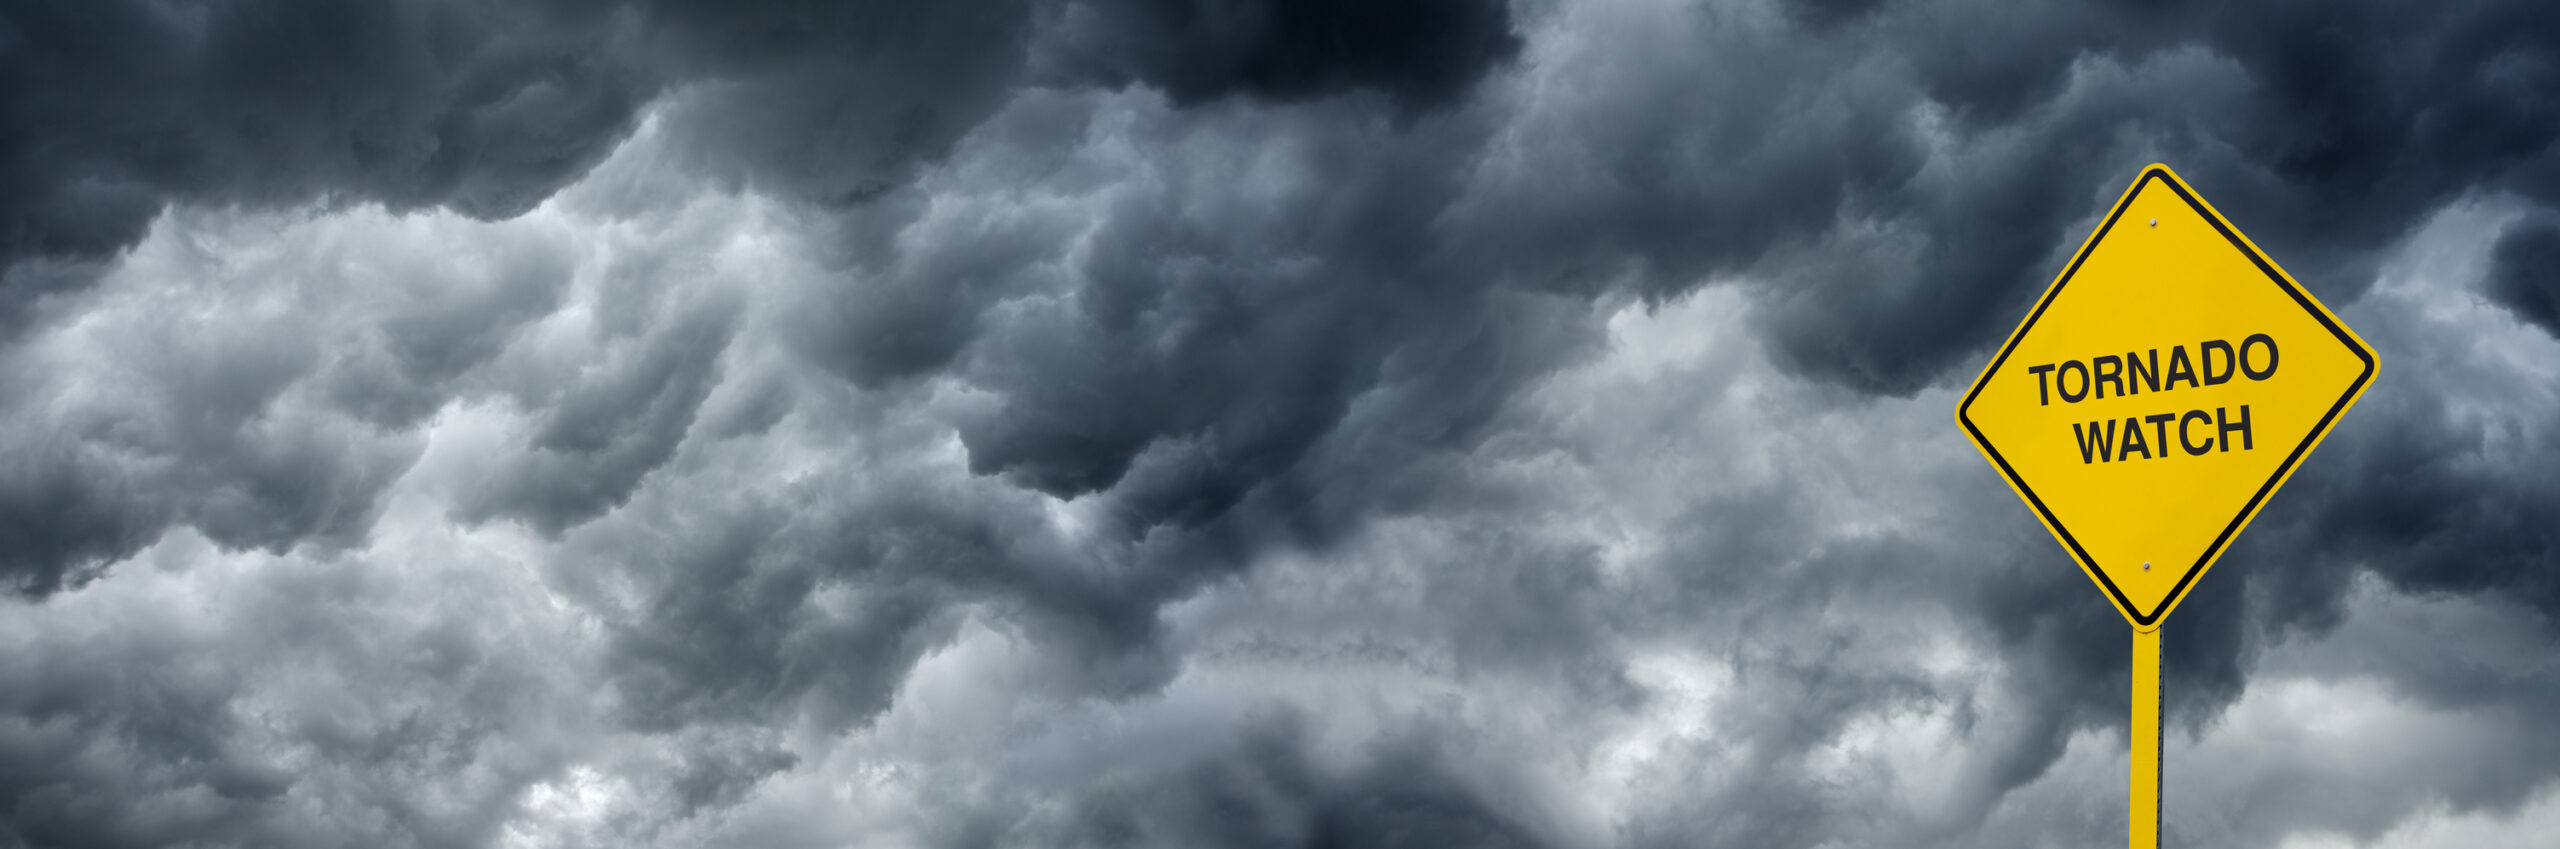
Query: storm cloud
[1153, 422]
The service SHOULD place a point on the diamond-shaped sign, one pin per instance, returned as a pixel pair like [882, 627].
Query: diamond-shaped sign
[2169, 380]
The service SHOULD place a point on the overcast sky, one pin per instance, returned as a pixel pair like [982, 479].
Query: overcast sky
[1227, 423]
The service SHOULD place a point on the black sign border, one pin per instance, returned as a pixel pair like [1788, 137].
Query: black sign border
[1964, 411]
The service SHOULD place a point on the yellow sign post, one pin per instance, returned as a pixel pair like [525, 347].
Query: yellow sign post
[2169, 380]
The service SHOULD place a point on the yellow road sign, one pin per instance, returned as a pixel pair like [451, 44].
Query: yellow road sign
[2169, 380]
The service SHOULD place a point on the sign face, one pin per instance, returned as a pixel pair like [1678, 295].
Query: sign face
[2169, 380]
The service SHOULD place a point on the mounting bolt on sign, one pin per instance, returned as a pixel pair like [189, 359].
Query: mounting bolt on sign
[2167, 383]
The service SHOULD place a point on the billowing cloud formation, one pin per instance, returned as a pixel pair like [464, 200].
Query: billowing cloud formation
[1236, 423]
[1421, 53]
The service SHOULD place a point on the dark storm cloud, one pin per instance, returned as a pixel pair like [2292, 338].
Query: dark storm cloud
[2442, 486]
[1905, 178]
[117, 109]
[739, 631]
[271, 413]
[1262, 790]
[2357, 121]
[1247, 349]
[2526, 278]
[597, 439]
[1150, 329]
[1421, 52]
[1896, 184]
[833, 102]
[1107, 307]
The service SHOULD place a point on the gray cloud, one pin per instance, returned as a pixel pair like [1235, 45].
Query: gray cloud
[487, 108]
[2524, 278]
[596, 440]
[118, 108]
[1264, 792]
[1225, 423]
[1423, 53]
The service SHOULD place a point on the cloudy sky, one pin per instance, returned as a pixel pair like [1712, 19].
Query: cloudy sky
[1227, 423]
